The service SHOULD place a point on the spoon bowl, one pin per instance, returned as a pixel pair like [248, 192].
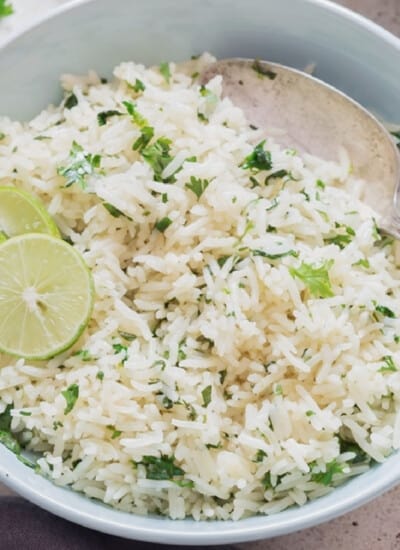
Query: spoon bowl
[318, 119]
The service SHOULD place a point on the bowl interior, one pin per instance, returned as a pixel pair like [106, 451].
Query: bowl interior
[352, 54]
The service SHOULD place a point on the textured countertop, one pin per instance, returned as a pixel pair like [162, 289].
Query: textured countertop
[375, 526]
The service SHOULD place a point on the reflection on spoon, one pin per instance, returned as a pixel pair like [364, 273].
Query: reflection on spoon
[318, 119]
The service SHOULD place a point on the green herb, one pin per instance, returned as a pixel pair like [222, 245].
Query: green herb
[385, 311]
[161, 468]
[389, 364]
[259, 159]
[136, 117]
[165, 71]
[211, 446]
[310, 413]
[184, 483]
[323, 215]
[274, 204]
[2, 136]
[163, 224]
[138, 86]
[57, 424]
[263, 70]
[206, 395]
[83, 354]
[325, 478]
[260, 455]
[164, 198]
[306, 195]
[82, 164]
[127, 336]
[105, 115]
[316, 279]
[114, 211]
[396, 338]
[202, 117]
[6, 8]
[271, 229]
[25, 413]
[100, 375]
[9, 441]
[266, 481]
[320, 184]
[5, 418]
[222, 376]
[115, 433]
[158, 157]
[71, 101]
[120, 348]
[276, 175]
[167, 402]
[278, 390]
[352, 447]
[362, 263]
[146, 135]
[275, 256]
[41, 138]
[71, 395]
[197, 185]
[341, 239]
[195, 75]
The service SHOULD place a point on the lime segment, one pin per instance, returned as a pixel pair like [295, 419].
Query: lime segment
[21, 213]
[46, 296]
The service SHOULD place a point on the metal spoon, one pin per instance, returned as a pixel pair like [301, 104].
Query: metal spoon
[317, 119]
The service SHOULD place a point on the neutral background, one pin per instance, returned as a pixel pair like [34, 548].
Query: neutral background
[372, 527]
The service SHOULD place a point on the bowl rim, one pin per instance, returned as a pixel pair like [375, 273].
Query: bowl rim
[163, 530]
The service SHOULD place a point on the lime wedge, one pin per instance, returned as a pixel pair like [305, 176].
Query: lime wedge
[46, 296]
[21, 213]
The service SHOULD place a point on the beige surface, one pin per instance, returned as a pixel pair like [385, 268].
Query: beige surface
[375, 526]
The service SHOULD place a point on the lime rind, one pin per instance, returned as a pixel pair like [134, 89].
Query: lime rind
[21, 212]
[46, 298]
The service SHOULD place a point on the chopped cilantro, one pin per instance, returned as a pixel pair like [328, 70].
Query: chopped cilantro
[120, 348]
[71, 395]
[164, 198]
[3, 135]
[136, 117]
[82, 164]
[262, 69]
[161, 468]
[259, 159]
[100, 375]
[158, 157]
[222, 376]
[276, 175]
[352, 447]
[83, 354]
[115, 433]
[163, 224]
[385, 311]
[114, 211]
[146, 135]
[127, 336]
[362, 263]
[331, 468]
[389, 364]
[275, 256]
[396, 338]
[184, 483]
[278, 390]
[167, 402]
[260, 455]
[71, 101]
[341, 239]
[6, 8]
[310, 413]
[316, 279]
[320, 184]
[138, 86]
[105, 115]
[266, 481]
[5, 418]
[165, 70]
[206, 395]
[197, 185]
[25, 413]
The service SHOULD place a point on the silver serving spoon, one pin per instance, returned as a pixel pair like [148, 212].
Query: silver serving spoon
[317, 119]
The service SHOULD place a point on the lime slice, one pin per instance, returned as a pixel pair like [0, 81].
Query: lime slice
[21, 213]
[46, 296]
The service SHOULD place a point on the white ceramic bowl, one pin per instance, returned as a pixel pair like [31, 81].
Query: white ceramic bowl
[350, 52]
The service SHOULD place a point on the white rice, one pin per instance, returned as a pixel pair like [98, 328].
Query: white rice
[290, 376]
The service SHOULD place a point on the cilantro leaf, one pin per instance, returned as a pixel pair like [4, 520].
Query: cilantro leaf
[276, 175]
[114, 211]
[316, 279]
[105, 115]
[197, 185]
[331, 468]
[389, 365]
[385, 311]
[343, 238]
[138, 86]
[71, 395]
[82, 164]
[161, 468]
[206, 395]
[158, 157]
[6, 8]
[165, 71]
[146, 135]
[120, 348]
[136, 117]
[259, 159]
[5, 418]
[163, 224]
[71, 101]
[362, 263]
[274, 256]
